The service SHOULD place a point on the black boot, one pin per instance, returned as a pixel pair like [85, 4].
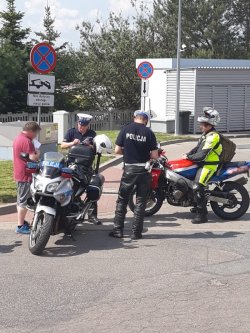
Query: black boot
[201, 205]
[200, 218]
[92, 215]
[120, 213]
[135, 236]
[116, 233]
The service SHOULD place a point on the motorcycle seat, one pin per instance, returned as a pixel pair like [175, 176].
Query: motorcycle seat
[234, 164]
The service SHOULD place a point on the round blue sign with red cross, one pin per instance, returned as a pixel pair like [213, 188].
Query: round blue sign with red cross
[43, 58]
[145, 70]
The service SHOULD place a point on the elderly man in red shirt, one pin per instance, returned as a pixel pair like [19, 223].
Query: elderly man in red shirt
[24, 144]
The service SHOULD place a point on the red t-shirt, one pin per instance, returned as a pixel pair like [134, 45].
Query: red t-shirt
[21, 144]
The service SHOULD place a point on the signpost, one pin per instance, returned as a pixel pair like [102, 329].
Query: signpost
[145, 70]
[43, 60]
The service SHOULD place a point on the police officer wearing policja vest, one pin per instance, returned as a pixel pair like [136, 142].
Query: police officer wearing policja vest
[137, 143]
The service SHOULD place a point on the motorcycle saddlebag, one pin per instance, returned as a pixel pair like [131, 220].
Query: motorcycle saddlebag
[94, 189]
[82, 155]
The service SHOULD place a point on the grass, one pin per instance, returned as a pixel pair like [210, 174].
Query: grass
[161, 137]
[8, 186]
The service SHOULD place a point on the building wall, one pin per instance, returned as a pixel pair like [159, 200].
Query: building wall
[220, 76]
[228, 91]
[187, 92]
[156, 100]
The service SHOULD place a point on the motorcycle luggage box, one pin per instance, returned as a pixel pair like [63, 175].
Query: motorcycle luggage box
[94, 190]
[82, 155]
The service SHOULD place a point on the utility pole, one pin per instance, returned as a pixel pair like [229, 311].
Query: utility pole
[178, 73]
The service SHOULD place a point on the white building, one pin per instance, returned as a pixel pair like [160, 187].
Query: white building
[223, 84]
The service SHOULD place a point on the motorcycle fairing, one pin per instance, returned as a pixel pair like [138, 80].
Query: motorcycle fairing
[230, 170]
[188, 169]
[185, 168]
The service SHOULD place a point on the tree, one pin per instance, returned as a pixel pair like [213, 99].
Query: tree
[49, 35]
[11, 31]
[14, 55]
[205, 30]
[239, 19]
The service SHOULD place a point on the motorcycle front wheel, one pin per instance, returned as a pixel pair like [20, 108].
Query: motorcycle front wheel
[154, 202]
[40, 233]
[238, 202]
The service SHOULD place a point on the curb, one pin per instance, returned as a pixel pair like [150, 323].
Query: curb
[114, 162]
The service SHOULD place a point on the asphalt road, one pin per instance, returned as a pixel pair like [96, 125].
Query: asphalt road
[178, 278]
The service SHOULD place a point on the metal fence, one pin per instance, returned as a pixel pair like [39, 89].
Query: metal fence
[25, 116]
[102, 120]
[105, 120]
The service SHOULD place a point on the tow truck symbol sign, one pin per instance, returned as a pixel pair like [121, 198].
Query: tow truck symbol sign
[39, 83]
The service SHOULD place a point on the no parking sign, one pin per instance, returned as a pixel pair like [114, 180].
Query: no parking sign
[145, 70]
[43, 58]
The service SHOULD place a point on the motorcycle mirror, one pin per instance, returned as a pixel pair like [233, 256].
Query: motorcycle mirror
[24, 156]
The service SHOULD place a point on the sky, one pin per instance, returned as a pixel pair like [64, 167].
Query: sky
[69, 13]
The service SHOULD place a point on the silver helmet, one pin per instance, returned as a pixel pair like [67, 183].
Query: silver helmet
[211, 116]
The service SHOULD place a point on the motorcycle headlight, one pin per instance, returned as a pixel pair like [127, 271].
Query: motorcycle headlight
[38, 185]
[52, 187]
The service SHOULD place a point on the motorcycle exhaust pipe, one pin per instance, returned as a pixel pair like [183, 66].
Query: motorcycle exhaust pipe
[218, 199]
[242, 181]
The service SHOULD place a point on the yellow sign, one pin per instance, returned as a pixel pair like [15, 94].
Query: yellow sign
[48, 132]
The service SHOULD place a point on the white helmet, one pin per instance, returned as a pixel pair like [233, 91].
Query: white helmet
[102, 142]
[211, 116]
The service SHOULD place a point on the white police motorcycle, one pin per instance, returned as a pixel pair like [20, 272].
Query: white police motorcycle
[57, 189]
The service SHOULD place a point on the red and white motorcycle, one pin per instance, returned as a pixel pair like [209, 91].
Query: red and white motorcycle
[173, 181]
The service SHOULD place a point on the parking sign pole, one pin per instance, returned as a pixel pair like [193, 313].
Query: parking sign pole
[39, 112]
[39, 115]
[145, 70]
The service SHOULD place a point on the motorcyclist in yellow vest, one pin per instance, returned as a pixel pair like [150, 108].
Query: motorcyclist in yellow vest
[207, 155]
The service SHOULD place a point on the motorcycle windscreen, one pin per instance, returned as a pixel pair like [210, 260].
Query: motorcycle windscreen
[52, 165]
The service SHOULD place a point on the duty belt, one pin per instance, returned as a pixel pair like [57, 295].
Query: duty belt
[136, 164]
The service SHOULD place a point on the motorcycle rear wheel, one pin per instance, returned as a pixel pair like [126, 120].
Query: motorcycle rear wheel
[241, 206]
[40, 233]
[154, 202]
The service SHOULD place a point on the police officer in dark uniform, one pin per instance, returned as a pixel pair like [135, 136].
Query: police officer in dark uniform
[138, 145]
[75, 136]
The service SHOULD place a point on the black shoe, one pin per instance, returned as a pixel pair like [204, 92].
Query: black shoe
[116, 234]
[136, 236]
[200, 219]
[94, 220]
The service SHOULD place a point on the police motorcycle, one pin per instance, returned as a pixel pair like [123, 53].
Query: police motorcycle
[57, 187]
[173, 181]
